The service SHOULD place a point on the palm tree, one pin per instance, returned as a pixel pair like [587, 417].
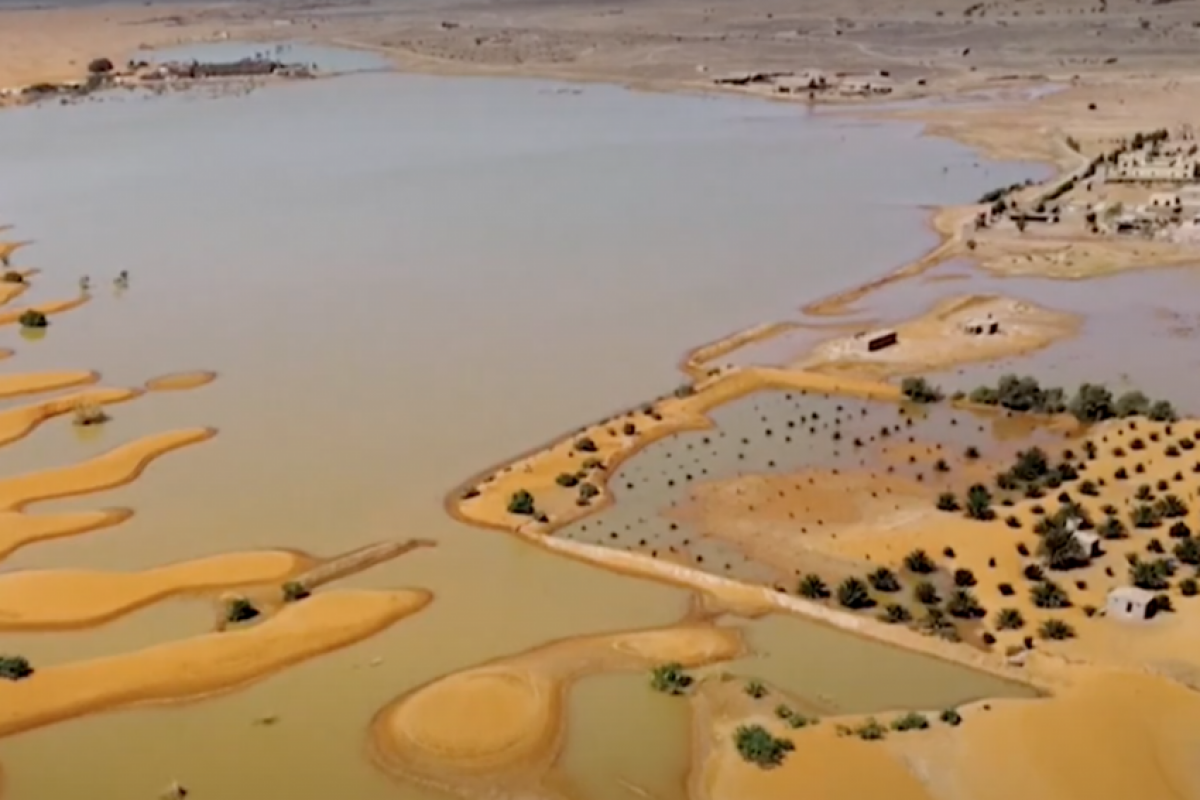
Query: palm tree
[853, 593]
[1170, 506]
[1009, 619]
[812, 587]
[1056, 629]
[926, 593]
[979, 503]
[1049, 594]
[884, 580]
[896, 614]
[918, 561]
[964, 605]
[1188, 551]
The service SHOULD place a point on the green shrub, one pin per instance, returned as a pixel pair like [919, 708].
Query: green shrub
[755, 689]
[812, 587]
[11, 276]
[32, 318]
[670, 679]
[294, 591]
[919, 562]
[951, 717]
[853, 594]
[584, 444]
[1049, 594]
[1009, 619]
[964, 605]
[587, 491]
[920, 390]
[912, 721]
[1188, 551]
[870, 730]
[926, 594]
[979, 503]
[521, 502]
[947, 502]
[240, 610]
[1056, 629]
[964, 578]
[896, 614]
[1188, 587]
[567, 480]
[756, 745]
[14, 668]
[884, 580]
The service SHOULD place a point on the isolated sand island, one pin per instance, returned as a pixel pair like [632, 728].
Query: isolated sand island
[857, 466]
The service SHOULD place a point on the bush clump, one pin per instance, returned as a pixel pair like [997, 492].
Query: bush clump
[884, 580]
[756, 745]
[1056, 629]
[853, 594]
[919, 562]
[912, 721]
[15, 668]
[521, 503]
[920, 390]
[240, 609]
[32, 318]
[812, 587]
[670, 679]
[294, 591]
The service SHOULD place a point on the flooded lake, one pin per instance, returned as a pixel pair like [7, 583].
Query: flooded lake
[401, 280]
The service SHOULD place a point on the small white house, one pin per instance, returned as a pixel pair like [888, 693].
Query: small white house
[1130, 603]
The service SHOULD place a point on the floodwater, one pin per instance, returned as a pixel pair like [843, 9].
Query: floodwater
[402, 280]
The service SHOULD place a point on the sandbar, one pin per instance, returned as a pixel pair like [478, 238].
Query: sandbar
[15, 385]
[203, 665]
[20, 422]
[180, 381]
[49, 308]
[106, 471]
[18, 529]
[76, 598]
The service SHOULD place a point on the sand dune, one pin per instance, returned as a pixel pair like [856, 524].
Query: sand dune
[68, 598]
[36, 382]
[18, 529]
[180, 381]
[204, 664]
[49, 308]
[19, 422]
[114, 468]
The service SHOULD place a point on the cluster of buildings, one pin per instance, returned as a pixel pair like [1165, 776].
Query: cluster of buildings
[812, 82]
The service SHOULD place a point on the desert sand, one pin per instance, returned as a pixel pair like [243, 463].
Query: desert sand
[499, 726]
[203, 665]
[20, 422]
[181, 381]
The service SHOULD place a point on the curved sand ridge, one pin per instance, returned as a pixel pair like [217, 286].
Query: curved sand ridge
[49, 308]
[500, 724]
[19, 422]
[108, 470]
[44, 599]
[37, 382]
[206, 664]
[181, 381]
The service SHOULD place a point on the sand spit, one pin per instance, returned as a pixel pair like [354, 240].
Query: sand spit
[20, 422]
[484, 499]
[180, 381]
[8, 248]
[695, 361]
[114, 468]
[38, 382]
[203, 665]
[496, 730]
[49, 308]
[69, 598]
[19, 529]
[942, 338]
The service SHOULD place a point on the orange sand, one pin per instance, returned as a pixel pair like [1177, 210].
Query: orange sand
[19, 529]
[53, 599]
[37, 382]
[501, 725]
[114, 468]
[49, 309]
[20, 422]
[205, 664]
[180, 381]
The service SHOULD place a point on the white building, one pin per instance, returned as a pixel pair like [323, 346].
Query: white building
[1130, 603]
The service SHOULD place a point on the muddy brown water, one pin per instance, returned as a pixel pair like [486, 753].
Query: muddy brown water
[401, 280]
